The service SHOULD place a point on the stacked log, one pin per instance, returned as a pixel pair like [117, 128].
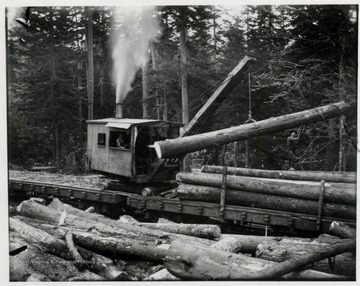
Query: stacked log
[88, 246]
[301, 196]
[339, 177]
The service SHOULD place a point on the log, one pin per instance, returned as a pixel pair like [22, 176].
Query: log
[162, 275]
[309, 258]
[199, 230]
[106, 225]
[197, 262]
[164, 220]
[81, 219]
[256, 200]
[153, 250]
[33, 263]
[48, 243]
[90, 209]
[183, 145]
[120, 247]
[342, 230]
[339, 177]
[127, 219]
[338, 193]
[38, 200]
[75, 255]
[231, 244]
[249, 243]
[279, 251]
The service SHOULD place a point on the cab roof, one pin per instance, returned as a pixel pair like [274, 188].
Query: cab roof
[127, 122]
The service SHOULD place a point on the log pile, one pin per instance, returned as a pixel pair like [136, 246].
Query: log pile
[58, 242]
[297, 196]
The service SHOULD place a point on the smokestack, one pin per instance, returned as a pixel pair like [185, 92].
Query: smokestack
[119, 111]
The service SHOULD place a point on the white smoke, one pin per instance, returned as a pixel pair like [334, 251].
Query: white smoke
[135, 29]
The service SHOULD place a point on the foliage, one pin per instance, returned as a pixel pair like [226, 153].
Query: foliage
[306, 57]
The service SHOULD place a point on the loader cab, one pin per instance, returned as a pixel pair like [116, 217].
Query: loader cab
[124, 147]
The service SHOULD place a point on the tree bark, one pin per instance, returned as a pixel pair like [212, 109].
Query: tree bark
[50, 244]
[333, 192]
[337, 177]
[90, 65]
[45, 266]
[231, 244]
[162, 275]
[165, 114]
[249, 243]
[157, 97]
[342, 165]
[75, 255]
[342, 230]
[145, 92]
[184, 75]
[198, 230]
[279, 251]
[196, 262]
[82, 220]
[120, 247]
[183, 145]
[184, 88]
[236, 155]
[257, 200]
[309, 258]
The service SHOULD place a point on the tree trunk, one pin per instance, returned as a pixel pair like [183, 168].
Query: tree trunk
[189, 144]
[333, 192]
[48, 243]
[256, 200]
[184, 89]
[162, 275]
[231, 244]
[196, 262]
[102, 94]
[236, 155]
[342, 230]
[342, 143]
[249, 243]
[82, 220]
[80, 107]
[145, 91]
[165, 114]
[75, 255]
[214, 32]
[90, 65]
[279, 251]
[198, 230]
[184, 75]
[120, 247]
[34, 265]
[157, 97]
[339, 177]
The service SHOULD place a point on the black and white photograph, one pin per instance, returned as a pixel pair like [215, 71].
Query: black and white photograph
[180, 142]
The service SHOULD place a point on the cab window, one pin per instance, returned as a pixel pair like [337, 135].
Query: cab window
[120, 139]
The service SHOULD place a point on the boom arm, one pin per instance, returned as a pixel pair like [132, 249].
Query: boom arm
[227, 86]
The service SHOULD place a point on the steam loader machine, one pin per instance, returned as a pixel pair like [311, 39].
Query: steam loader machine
[144, 157]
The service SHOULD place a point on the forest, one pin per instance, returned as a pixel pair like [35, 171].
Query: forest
[65, 67]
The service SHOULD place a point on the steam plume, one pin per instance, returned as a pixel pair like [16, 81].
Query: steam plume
[136, 28]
